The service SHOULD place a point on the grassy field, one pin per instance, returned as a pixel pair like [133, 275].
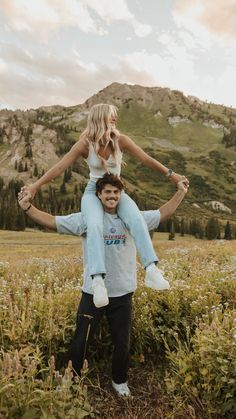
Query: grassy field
[18, 247]
[183, 349]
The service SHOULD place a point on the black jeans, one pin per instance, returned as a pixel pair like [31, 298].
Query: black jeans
[118, 313]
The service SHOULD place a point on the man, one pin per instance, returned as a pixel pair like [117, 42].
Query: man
[120, 281]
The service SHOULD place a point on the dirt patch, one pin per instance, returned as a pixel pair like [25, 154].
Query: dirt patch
[168, 144]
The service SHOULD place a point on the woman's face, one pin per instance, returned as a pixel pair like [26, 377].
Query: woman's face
[112, 119]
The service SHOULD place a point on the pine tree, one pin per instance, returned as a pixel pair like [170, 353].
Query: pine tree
[69, 173]
[1, 184]
[212, 229]
[2, 212]
[65, 176]
[28, 151]
[63, 188]
[176, 224]
[20, 220]
[200, 233]
[172, 230]
[36, 172]
[182, 227]
[228, 231]
[194, 227]
[20, 167]
[10, 216]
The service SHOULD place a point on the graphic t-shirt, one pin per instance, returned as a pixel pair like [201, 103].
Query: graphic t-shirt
[120, 250]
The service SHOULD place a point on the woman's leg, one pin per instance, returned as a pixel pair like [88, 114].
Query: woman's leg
[135, 223]
[93, 213]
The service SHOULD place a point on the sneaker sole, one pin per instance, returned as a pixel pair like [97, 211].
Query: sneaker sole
[157, 288]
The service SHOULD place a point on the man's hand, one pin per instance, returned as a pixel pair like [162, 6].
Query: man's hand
[24, 199]
[175, 178]
[182, 185]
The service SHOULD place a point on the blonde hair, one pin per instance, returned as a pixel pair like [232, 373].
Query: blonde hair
[100, 132]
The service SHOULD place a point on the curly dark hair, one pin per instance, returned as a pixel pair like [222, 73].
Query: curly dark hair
[109, 178]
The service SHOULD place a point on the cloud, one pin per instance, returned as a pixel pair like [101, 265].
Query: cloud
[31, 81]
[40, 17]
[177, 69]
[111, 11]
[217, 16]
[3, 66]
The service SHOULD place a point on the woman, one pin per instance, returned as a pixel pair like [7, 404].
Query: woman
[102, 146]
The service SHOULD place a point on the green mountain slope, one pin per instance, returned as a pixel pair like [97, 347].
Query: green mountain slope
[182, 132]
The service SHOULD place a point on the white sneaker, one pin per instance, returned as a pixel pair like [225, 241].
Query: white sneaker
[121, 389]
[155, 280]
[100, 297]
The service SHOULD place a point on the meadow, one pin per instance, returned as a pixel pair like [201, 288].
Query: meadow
[183, 347]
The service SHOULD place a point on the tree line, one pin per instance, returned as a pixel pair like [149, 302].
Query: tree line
[58, 202]
[13, 218]
[229, 139]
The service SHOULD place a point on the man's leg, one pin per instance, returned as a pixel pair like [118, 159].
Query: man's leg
[88, 317]
[118, 315]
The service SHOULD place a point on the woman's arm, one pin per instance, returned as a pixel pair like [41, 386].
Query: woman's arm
[126, 144]
[77, 150]
[40, 217]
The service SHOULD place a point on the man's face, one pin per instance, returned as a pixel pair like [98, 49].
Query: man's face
[110, 197]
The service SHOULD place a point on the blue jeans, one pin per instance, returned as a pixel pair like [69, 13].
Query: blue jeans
[129, 213]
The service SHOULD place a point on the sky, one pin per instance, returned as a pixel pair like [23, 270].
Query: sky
[61, 52]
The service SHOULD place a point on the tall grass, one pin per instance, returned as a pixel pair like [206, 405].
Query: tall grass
[187, 336]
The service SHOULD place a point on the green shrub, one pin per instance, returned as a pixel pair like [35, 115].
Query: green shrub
[203, 372]
[29, 389]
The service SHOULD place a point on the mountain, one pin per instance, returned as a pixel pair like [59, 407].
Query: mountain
[190, 136]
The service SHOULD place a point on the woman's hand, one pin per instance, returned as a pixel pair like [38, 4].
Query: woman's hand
[24, 199]
[29, 189]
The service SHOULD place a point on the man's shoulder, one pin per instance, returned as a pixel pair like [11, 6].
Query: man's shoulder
[152, 218]
[71, 224]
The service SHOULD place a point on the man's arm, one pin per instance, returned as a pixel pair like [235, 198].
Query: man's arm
[168, 209]
[39, 217]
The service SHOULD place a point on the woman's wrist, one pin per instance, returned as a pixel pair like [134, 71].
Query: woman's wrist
[170, 173]
[27, 208]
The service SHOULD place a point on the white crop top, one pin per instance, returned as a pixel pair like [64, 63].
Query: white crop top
[95, 165]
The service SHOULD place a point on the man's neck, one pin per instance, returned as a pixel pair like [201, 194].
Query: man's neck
[110, 211]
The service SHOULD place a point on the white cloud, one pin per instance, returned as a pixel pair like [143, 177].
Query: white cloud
[188, 20]
[36, 79]
[177, 71]
[207, 19]
[3, 66]
[141, 29]
[174, 70]
[40, 17]
[111, 11]
[48, 79]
